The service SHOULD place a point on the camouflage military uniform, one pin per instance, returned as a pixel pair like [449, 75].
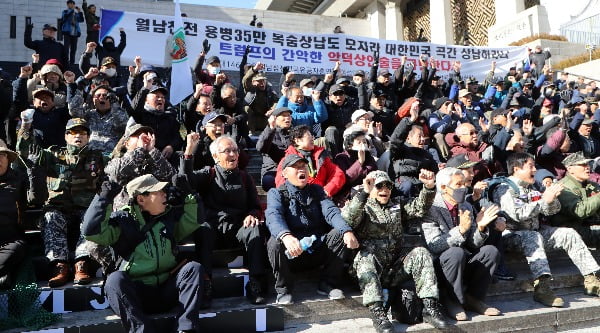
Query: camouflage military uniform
[383, 261]
[525, 234]
[580, 209]
[65, 179]
[106, 129]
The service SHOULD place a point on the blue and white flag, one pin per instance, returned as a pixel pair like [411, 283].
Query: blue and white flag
[181, 76]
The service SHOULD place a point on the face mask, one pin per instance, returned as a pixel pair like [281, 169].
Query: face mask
[459, 194]
[110, 72]
[307, 91]
[214, 70]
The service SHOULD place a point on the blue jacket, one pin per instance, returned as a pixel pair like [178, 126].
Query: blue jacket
[304, 114]
[70, 22]
[308, 212]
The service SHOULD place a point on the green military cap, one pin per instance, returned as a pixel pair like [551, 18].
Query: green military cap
[145, 184]
[77, 122]
[379, 176]
[576, 159]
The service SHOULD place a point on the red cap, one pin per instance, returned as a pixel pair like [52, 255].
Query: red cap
[55, 62]
[547, 102]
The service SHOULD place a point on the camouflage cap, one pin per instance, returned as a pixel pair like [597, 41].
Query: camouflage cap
[144, 184]
[576, 159]
[135, 129]
[77, 122]
[379, 176]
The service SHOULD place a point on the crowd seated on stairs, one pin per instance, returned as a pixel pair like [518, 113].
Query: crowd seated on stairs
[351, 168]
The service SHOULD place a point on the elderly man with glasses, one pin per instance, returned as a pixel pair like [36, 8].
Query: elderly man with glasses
[233, 212]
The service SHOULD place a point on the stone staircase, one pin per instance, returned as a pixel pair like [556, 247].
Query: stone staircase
[84, 310]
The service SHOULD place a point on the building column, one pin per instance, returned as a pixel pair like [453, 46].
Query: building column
[394, 25]
[506, 10]
[376, 16]
[440, 20]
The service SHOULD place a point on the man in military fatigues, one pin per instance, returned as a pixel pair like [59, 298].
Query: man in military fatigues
[65, 179]
[524, 205]
[383, 261]
[580, 202]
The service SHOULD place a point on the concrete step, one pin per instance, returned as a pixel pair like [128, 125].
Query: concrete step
[309, 308]
[520, 314]
[224, 317]
[227, 283]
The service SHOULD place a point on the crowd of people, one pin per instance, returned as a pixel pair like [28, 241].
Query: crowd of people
[350, 166]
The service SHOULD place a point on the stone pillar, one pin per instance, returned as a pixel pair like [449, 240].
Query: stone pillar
[440, 20]
[376, 16]
[506, 10]
[394, 26]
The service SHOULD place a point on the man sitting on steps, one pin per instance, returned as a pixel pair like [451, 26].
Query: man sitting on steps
[297, 210]
[524, 205]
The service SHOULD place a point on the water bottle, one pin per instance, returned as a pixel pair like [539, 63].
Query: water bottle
[386, 296]
[305, 244]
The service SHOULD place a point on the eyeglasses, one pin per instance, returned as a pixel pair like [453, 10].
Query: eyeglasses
[387, 185]
[100, 95]
[470, 133]
[76, 131]
[338, 93]
[229, 151]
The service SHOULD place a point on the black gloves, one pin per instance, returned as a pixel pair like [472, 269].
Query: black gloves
[205, 46]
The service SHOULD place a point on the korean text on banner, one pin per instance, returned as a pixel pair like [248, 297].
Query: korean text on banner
[304, 53]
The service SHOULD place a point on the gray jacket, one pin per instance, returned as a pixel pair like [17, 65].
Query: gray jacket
[441, 234]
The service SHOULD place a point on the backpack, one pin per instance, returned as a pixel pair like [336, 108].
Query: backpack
[487, 198]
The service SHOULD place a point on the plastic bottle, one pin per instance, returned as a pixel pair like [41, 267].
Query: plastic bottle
[305, 244]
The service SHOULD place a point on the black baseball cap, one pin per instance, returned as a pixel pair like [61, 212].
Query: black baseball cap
[292, 159]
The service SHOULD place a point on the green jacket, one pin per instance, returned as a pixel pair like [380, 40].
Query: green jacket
[580, 203]
[147, 257]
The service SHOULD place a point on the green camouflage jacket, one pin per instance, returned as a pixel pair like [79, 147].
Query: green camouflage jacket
[379, 227]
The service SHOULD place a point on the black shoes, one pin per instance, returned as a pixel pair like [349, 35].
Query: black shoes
[380, 319]
[255, 290]
[432, 314]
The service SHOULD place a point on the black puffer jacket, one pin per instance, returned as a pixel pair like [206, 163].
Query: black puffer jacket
[164, 123]
[13, 200]
[272, 143]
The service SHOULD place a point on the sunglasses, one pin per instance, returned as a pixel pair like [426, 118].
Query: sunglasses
[77, 131]
[387, 185]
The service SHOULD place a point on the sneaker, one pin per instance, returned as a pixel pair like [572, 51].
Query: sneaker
[254, 291]
[284, 299]
[327, 290]
[82, 275]
[61, 275]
